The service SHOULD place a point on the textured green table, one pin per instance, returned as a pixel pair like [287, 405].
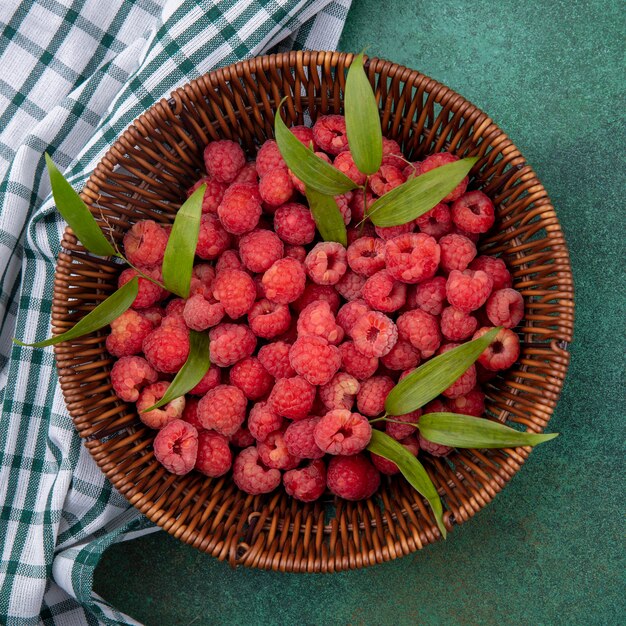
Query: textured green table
[549, 549]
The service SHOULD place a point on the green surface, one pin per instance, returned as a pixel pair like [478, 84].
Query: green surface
[549, 549]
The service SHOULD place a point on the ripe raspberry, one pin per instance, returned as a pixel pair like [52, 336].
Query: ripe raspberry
[262, 421]
[213, 194]
[366, 256]
[211, 379]
[155, 314]
[392, 154]
[260, 249]
[457, 252]
[294, 224]
[352, 477]
[384, 293]
[230, 343]
[166, 348]
[357, 209]
[276, 187]
[223, 160]
[505, 307]
[273, 452]
[434, 449]
[429, 295]
[350, 286]
[494, 267]
[300, 439]
[129, 374]
[306, 484]
[403, 356]
[275, 359]
[251, 476]
[174, 309]
[503, 351]
[269, 158]
[443, 158]
[457, 325]
[190, 413]
[374, 334]
[436, 222]
[268, 319]
[343, 204]
[212, 238]
[315, 359]
[247, 174]
[295, 252]
[385, 466]
[284, 281]
[292, 397]
[339, 392]
[421, 330]
[297, 183]
[473, 212]
[412, 257]
[355, 363]
[412, 169]
[329, 133]
[229, 260]
[223, 409]
[202, 278]
[372, 394]
[145, 242]
[240, 209]
[326, 263]
[314, 292]
[128, 332]
[158, 418]
[388, 177]
[350, 313]
[317, 319]
[214, 456]
[465, 382]
[251, 377]
[389, 232]
[176, 447]
[342, 432]
[236, 291]
[304, 135]
[472, 403]
[149, 293]
[345, 163]
[401, 431]
[468, 290]
[242, 438]
[200, 314]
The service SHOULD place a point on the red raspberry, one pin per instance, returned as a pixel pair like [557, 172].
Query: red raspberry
[223, 160]
[297, 183]
[284, 281]
[229, 260]
[339, 392]
[242, 438]
[385, 466]
[200, 314]
[412, 169]
[473, 212]
[317, 319]
[276, 187]
[350, 313]
[262, 421]
[313, 293]
[273, 452]
[294, 224]
[210, 380]
[494, 267]
[176, 447]
[429, 295]
[436, 222]
[128, 332]
[352, 477]
[275, 359]
[468, 290]
[212, 238]
[304, 135]
[434, 449]
[372, 394]
[295, 252]
[401, 431]
[403, 356]
[247, 174]
[457, 325]
[421, 330]
[350, 286]
[457, 252]
[300, 439]
[166, 348]
[443, 158]
[213, 194]
[472, 403]
[269, 157]
[329, 132]
[342, 432]
[236, 291]
[292, 397]
[240, 209]
[384, 293]
[343, 204]
[315, 359]
[357, 208]
[465, 382]
[505, 307]
[155, 314]
[306, 484]
[374, 334]
[230, 343]
[392, 154]
[251, 476]
[158, 418]
[389, 232]
[412, 257]
[260, 249]
[149, 293]
[174, 309]
[326, 263]
[503, 351]
[190, 414]
[202, 278]
[129, 374]
[214, 456]
[366, 256]
[388, 177]
[268, 319]
[223, 409]
[145, 242]
[251, 377]
[355, 363]
[345, 163]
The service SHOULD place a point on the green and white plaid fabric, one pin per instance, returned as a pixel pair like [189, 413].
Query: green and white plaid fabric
[73, 75]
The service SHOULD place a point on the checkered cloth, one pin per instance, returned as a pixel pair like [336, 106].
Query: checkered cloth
[73, 75]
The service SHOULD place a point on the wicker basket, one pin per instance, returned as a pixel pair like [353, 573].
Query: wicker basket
[144, 175]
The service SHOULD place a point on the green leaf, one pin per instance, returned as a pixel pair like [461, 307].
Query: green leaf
[76, 214]
[431, 378]
[383, 445]
[309, 168]
[191, 373]
[466, 431]
[181, 245]
[419, 195]
[108, 310]
[365, 136]
[327, 216]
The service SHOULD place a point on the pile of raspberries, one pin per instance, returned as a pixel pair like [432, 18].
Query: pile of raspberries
[307, 337]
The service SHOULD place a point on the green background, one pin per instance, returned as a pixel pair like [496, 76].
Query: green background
[549, 549]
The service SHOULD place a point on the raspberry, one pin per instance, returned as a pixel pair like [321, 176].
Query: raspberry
[342, 432]
[275, 359]
[229, 260]
[268, 319]
[350, 286]
[155, 314]
[247, 174]
[436, 222]
[242, 438]
[329, 133]
[494, 267]
[350, 313]
[211, 379]
[260, 249]
[223, 160]
[317, 319]
[292, 397]
[273, 452]
[421, 330]
[388, 177]
[304, 135]
[276, 187]
[402, 431]
[374, 334]
[300, 439]
[403, 356]
[345, 163]
[384, 293]
[128, 332]
[230, 343]
[149, 293]
[343, 204]
[251, 377]
[145, 242]
[262, 421]
[355, 363]
[429, 295]
[366, 256]
[457, 252]
[473, 237]
[412, 169]
[315, 359]
[251, 476]
[190, 414]
[505, 307]
[284, 281]
[240, 209]
[434, 449]
[213, 194]
[389, 232]
[297, 183]
[439, 405]
[223, 409]
[295, 252]
[357, 207]
[457, 325]
[473, 212]
[352, 477]
[214, 456]
[442, 158]
[174, 309]
[158, 418]
[503, 351]
[339, 392]
[200, 314]
[412, 257]
[129, 374]
[176, 447]
[306, 484]
[236, 291]
[166, 348]
[326, 263]
[465, 382]
[314, 292]
[372, 394]
[385, 466]
[392, 154]
[468, 290]
[212, 238]
[269, 158]
[294, 224]
[202, 278]
[471, 403]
